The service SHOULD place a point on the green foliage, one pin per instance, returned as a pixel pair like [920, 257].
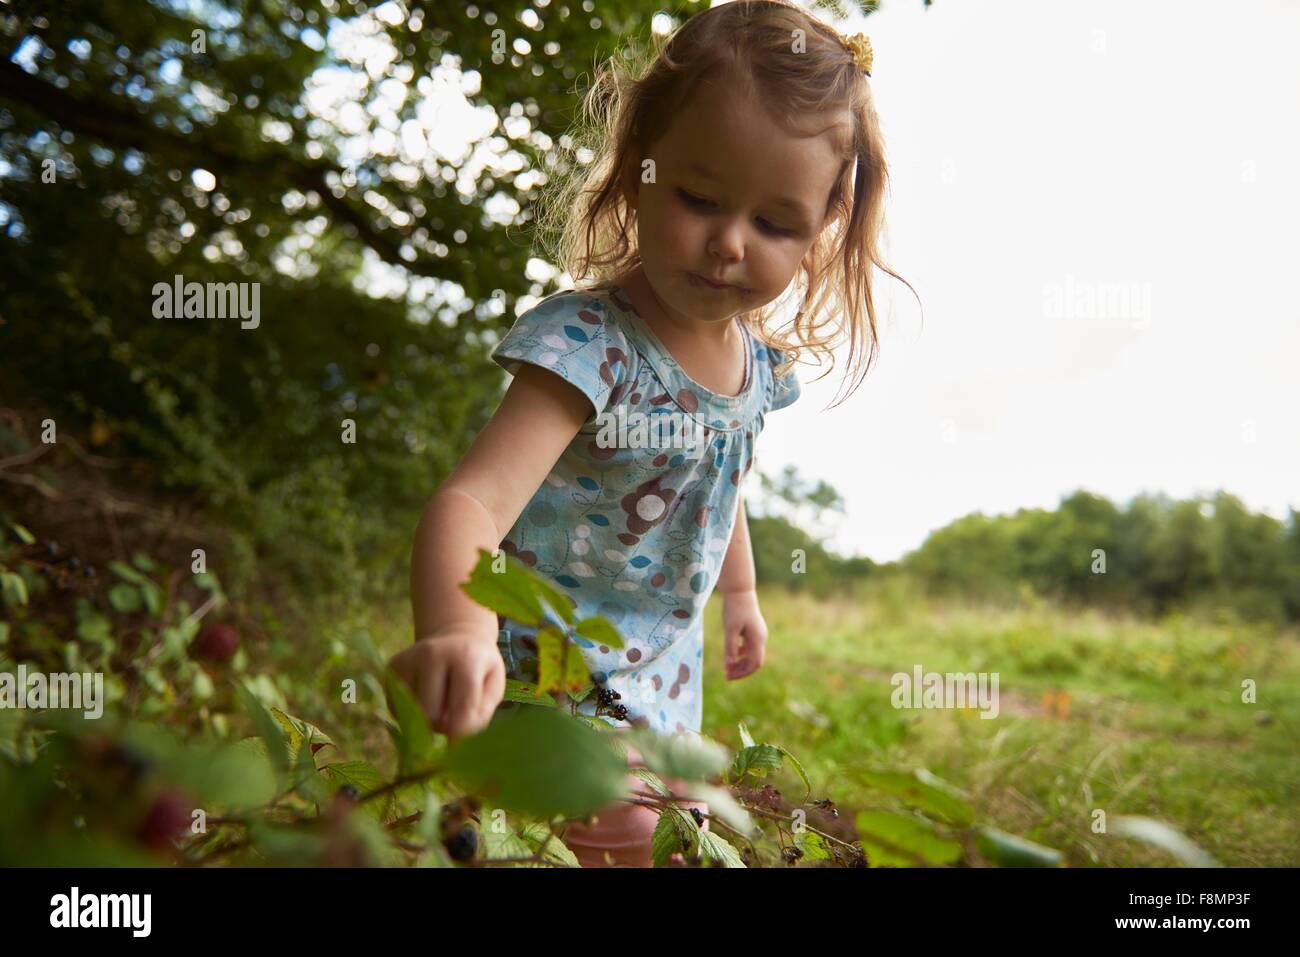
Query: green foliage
[237, 777]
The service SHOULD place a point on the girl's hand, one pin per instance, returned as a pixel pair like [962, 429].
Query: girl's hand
[458, 676]
[745, 631]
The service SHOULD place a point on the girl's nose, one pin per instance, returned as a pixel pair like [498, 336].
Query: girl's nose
[727, 243]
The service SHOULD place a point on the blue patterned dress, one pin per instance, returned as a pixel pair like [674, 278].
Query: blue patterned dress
[636, 515]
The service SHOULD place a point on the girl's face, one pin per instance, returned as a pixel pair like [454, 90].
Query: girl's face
[737, 199]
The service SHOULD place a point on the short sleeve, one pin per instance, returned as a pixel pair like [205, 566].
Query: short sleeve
[575, 337]
[785, 389]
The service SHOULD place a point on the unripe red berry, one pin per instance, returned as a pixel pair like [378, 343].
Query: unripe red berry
[166, 820]
[217, 643]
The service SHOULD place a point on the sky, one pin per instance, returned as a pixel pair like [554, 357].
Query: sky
[1097, 204]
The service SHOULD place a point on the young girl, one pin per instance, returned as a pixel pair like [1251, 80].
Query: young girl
[748, 154]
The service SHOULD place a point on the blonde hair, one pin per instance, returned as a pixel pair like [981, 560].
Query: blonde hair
[587, 227]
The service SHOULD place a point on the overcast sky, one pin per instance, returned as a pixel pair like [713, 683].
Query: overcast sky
[1044, 154]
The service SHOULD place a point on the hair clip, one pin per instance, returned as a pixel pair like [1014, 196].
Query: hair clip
[860, 46]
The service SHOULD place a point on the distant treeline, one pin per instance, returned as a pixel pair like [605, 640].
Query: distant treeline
[1153, 555]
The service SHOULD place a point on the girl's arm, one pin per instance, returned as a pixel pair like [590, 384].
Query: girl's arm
[454, 668]
[737, 573]
[479, 502]
[743, 626]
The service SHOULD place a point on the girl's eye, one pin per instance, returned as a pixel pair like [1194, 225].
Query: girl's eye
[692, 200]
[774, 229]
[701, 203]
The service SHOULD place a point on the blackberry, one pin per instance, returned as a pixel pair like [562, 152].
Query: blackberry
[90, 571]
[620, 712]
[74, 562]
[462, 845]
[699, 818]
[350, 792]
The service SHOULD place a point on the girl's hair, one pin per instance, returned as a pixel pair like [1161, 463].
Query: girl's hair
[588, 228]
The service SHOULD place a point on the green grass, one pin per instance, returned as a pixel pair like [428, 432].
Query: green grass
[1155, 722]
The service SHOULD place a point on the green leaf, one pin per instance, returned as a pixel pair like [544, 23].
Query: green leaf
[813, 845]
[691, 757]
[803, 775]
[715, 848]
[495, 844]
[922, 795]
[362, 775]
[653, 781]
[307, 780]
[509, 593]
[415, 744]
[757, 759]
[24, 536]
[540, 762]
[124, 598]
[599, 630]
[14, 588]
[127, 573]
[746, 740]
[891, 838]
[267, 729]
[675, 833]
[1164, 836]
[525, 692]
[142, 561]
[297, 730]
[560, 665]
[96, 629]
[535, 834]
[1008, 850]
[554, 598]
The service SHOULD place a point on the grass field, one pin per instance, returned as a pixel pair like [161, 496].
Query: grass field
[1128, 716]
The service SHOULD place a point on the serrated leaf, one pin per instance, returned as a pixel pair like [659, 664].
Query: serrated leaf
[599, 630]
[1164, 836]
[715, 848]
[298, 730]
[757, 759]
[652, 781]
[509, 593]
[535, 835]
[675, 833]
[921, 795]
[813, 845]
[362, 775]
[890, 836]
[307, 780]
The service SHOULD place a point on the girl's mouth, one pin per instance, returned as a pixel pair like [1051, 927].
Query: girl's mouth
[710, 284]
